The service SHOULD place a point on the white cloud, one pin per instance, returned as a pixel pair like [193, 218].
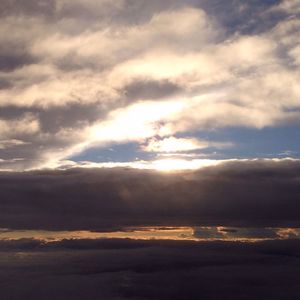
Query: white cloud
[26, 125]
[238, 80]
[295, 54]
[136, 122]
[289, 6]
[89, 55]
[167, 165]
[172, 144]
[4, 144]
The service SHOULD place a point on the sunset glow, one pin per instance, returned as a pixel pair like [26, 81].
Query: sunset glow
[181, 164]
[149, 149]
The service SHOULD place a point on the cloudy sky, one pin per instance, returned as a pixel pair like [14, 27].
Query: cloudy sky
[157, 116]
[162, 84]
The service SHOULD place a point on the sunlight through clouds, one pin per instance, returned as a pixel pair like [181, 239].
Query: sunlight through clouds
[81, 74]
[137, 122]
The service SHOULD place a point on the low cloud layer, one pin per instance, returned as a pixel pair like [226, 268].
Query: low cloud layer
[251, 193]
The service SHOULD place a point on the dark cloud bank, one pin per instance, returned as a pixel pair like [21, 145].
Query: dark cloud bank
[246, 193]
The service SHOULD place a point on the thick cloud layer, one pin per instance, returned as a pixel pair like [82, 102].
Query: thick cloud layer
[251, 193]
[72, 72]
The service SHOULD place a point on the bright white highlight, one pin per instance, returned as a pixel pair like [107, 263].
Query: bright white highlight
[173, 144]
[137, 122]
[181, 164]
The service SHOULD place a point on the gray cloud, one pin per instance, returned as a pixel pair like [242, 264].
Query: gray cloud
[236, 193]
[150, 89]
[10, 62]
[28, 8]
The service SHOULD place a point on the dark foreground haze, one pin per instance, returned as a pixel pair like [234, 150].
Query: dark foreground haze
[61, 233]
[136, 269]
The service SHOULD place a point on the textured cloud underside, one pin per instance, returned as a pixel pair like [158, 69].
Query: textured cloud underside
[75, 74]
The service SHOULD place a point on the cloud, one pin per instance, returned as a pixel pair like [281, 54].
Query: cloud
[150, 89]
[288, 6]
[26, 125]
[255, 193]
[136, 122]
[81, 69]
[172, 144]
[10, 143]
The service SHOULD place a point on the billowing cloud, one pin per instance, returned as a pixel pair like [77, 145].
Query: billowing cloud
[10, 143]
[72, 73]
[288, 6]
[27, 124]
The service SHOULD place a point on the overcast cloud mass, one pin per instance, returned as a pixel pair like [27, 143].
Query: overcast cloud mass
[256, 193]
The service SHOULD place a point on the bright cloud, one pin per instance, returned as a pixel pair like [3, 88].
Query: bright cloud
[172, 144]
[80, 74]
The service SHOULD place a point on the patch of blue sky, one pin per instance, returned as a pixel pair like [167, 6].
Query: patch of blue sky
[269, 142]
[253, 143]
[114, 153]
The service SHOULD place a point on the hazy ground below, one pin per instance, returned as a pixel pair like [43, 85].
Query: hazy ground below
[150, 269]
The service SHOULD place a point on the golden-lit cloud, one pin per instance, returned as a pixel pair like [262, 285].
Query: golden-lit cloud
[290, 6]
[137, 122]
[83, 73]
[26, 124]
[170, 165]
[164, 165]
[4, 144]
[172, 144]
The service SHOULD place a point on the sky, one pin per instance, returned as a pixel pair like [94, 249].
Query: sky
[127, 112]
[148, 84]
[149, 149]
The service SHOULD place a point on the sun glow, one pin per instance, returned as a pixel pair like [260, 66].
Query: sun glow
[172, 144]
[164, 165]
[169, 165]
[138, 121]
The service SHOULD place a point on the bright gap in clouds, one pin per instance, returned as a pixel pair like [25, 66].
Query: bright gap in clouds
[151, 125]
[168, 165]
[137, 122]
[163, 165]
